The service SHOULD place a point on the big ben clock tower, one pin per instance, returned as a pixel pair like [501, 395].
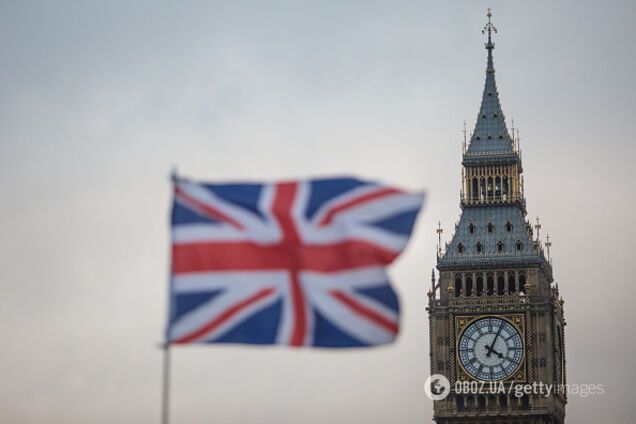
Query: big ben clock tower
[496, 317]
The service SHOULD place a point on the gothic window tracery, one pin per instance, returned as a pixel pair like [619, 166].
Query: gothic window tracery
[522, 282]
[459, 402]
[505, 188]
[498, 188]
[503, 401]
[469, 285]
[501, 284]
[480, 284]
[490, 284]
[512, 283]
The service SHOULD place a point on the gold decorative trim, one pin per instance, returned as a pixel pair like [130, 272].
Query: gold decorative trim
[459, 323]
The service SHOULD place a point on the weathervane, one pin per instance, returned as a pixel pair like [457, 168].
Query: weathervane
[490, 28]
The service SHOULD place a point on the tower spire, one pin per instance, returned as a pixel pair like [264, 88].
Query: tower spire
[491, 135]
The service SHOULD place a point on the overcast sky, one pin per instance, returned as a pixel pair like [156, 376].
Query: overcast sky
[99, 100]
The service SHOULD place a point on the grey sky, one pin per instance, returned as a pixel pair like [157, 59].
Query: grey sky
[100, 99]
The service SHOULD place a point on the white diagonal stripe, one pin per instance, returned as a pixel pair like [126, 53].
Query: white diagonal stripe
[358, 278]
[381, 208]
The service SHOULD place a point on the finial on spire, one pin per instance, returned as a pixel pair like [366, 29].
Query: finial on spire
[439, 232]
[537, 226]
[465, 142]
[490, 28]
[464, 131]
[548, 244]
[432, 290]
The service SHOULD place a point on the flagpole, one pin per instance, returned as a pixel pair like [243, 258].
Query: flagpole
[165, 384]
[165, 389]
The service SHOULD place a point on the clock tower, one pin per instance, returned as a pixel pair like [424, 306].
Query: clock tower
[496, 317]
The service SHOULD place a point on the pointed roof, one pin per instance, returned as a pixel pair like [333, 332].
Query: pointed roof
[508, 242]
[490, 138]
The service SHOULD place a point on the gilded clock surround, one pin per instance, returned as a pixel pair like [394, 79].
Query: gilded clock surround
[461, 323]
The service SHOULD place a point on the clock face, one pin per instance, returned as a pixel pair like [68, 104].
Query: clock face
[490, 349]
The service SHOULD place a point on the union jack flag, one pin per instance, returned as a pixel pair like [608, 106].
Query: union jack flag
[295, 263]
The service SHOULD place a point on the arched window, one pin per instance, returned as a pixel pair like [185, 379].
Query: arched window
[518, 245]
[503, 401]
[459, 401]
[471, 228]
[458, 285]
[469, 285]
[481, 402]
[490, 188]
[490, 227]
[500, 246]
[522, 282]
[525, 402]
[490, 284]
[480, 284]
[470, 402]
[480, 247]
[505, 188]
[508, 226]
[492, 402]
[482, 189]
[460, 248]
[498, 188]
[501, 284]
[512, 283]
[475, 193]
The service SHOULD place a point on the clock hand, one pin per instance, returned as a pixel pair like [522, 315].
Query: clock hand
[492, 350]
[493, 342]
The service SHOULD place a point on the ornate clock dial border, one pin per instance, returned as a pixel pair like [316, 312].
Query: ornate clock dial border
[518, 320]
